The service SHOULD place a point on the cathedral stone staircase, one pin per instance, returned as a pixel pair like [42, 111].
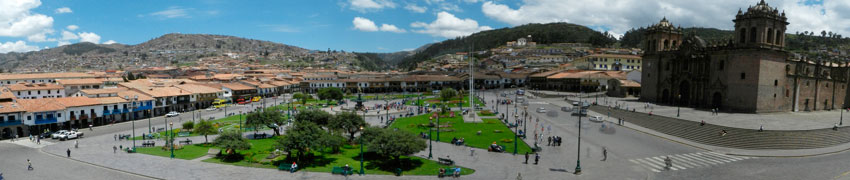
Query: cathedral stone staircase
[739, 138]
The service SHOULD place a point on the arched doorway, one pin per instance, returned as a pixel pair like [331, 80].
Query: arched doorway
[684, 93]
[665, 96]
[20, 131]
[7, 133]
[716, 100]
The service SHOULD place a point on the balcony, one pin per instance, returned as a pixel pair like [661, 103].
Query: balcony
[10, 123]
[45, 121]
[116, 111]
[106, 112]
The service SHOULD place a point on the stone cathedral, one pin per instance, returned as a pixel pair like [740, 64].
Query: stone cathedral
[752, 72]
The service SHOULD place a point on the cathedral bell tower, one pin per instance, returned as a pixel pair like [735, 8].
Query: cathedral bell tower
[761, 26]
[662, 37]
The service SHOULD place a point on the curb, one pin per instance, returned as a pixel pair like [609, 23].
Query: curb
[96, 165]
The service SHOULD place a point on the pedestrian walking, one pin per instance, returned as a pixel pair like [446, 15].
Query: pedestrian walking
[76, 144]
[69, 152]
[115, 136]
[38, 140]
[526, 158]
[29, 165]
[549, 142]
[114, 149]
[536, 158]
[471, 151]
[604, 153]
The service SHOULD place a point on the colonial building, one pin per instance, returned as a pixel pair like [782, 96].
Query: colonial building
[750, 73]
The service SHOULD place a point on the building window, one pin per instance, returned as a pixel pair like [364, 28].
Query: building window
[720, 66]
[743, 75]
[743, 37]
[775, 82]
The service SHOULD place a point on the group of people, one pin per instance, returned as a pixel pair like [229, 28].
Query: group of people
[554, 141]
[455, 173]
[536, 158]
[457, 141]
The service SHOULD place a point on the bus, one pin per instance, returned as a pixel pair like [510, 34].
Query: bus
[219, 103]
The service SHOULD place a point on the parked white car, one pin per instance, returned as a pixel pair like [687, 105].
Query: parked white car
[541, 110]
[597, 118]
[172, 114]
[57, 134]
[212, 109]
[69, 135]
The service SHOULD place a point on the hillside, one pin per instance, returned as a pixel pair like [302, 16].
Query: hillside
[172, 50]
[484, 40]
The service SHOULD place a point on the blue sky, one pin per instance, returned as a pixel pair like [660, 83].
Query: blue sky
[364, 25]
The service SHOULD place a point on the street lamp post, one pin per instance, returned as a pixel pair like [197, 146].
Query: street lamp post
[578, 154]
[841, 121]
[240, 121]
[361, 151]
[430, 143]
[172, 138]
[132, 107]
[516, 130]
[679, 105]
[525, 123]
[150, 115]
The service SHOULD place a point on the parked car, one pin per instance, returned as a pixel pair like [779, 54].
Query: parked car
[57, 134]
[597, 119]
[172, 114]
[68, 135]
[541, 110]
[212, 109]
[566, 109]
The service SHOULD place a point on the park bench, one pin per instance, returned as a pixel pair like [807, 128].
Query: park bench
[160, 129]
[149, 144]
[341, 170]
[286, 167]
[183, 134]
[187, 141]
[445, 161]
[261, 136]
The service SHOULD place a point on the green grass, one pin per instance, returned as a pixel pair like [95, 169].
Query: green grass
[489, 132]
[325, 161]
[486, 113]
[227, 123]
[453, 102]
[381, 97]
[188, 152]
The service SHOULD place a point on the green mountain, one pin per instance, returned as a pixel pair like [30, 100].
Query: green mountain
[484, 40]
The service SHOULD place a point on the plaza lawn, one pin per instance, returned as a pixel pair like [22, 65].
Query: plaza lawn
[325, 161]
[188, 152]
[227, 123]
[492, 130]
[381, 97]
[486, 113]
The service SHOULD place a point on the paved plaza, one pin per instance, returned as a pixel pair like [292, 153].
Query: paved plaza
[632, 153]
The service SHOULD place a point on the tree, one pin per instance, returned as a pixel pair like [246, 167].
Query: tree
[232, 140]
[270, 119]
[347, 121]
[301, 138]
[330, 93]
[395, 143]
[445, 95]
[205, 128]
[315, 116]
[303, 97]
[823, 33]
[188, 125]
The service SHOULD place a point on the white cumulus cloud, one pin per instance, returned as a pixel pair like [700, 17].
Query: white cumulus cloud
[72, 27]
[370, 5]
[367, 25]
[364, 24]
[415, 8]
[618, 16]
[449, 26]
[89, 37]
[63, 10]
[67, 35]
[110, 42]
[17, 46]
[391, 28]
[17, 20]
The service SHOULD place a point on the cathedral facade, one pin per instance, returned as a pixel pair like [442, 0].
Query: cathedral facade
[751, 72]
